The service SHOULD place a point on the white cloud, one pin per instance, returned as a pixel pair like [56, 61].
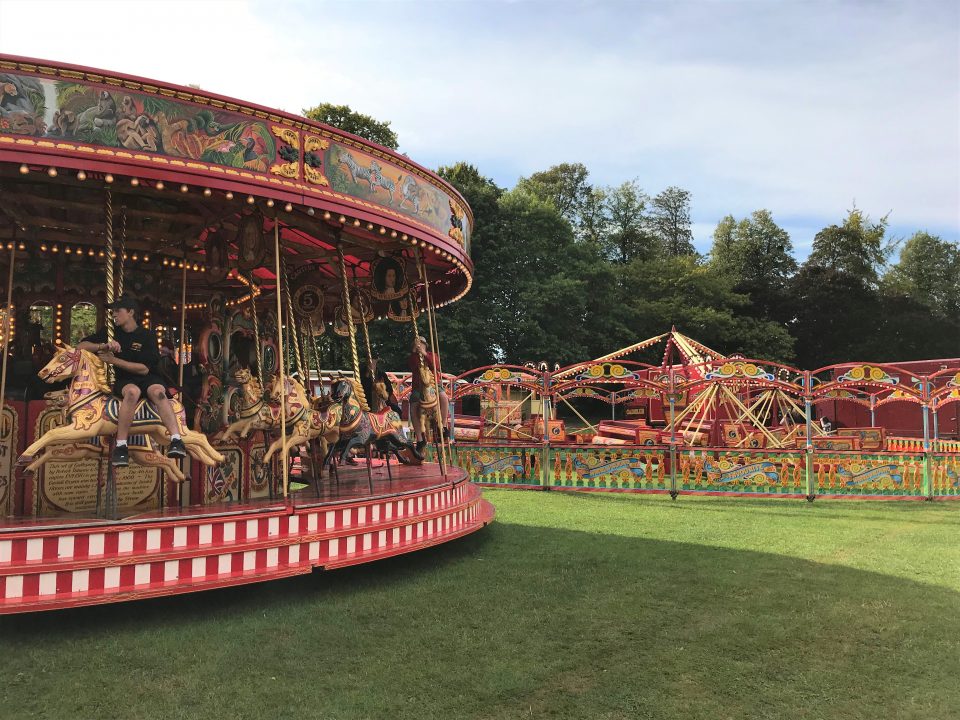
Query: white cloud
[801, 108]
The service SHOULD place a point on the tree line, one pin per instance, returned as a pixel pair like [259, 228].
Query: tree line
[566, 270]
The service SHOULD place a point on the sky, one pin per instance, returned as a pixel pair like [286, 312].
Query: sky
[804, 108]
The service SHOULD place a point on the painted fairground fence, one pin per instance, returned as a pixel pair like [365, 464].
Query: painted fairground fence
[725, 426]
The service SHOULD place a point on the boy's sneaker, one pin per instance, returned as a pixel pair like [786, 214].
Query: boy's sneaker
[121, 456]
[177, 449]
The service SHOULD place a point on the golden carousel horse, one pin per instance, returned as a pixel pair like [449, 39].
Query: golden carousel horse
[304, 422]
[429, 415]
[255, 414]
[91, 410]
[143, 451]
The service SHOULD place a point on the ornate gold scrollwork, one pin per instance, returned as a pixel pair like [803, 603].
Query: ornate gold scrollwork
[291, 138]
[311, 145]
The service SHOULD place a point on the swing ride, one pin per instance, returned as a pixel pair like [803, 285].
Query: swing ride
[245, 234]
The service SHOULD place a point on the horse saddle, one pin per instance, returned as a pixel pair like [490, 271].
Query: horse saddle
[384, 422]
[134, 442]
[145, 414]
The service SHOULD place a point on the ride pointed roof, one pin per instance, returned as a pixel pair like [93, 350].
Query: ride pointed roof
[687, 351]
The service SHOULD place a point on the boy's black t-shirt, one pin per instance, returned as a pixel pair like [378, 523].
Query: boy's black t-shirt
[139, 346]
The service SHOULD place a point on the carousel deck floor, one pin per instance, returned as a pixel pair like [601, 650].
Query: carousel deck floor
[353, 486]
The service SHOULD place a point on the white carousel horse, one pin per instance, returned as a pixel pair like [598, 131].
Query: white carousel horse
[91, 410]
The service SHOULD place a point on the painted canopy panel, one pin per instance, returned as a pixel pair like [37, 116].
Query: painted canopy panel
[158, 125]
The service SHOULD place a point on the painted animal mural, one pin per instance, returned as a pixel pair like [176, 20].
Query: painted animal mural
[134, 121]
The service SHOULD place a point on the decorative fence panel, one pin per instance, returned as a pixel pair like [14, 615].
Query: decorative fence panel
[772, 473]
[945, 475]
[500, 465]
[859, 474]
[741, 471]
[608, 466]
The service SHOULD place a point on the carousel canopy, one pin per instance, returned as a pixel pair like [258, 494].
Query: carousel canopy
[190, 180]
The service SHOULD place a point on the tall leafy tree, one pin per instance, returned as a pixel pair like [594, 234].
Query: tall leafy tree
[858, 248]
[627, 237]
[758, 255]
[701, 302]
[566, 186]
[470, 328]
[838, 309]
[365, 126]
[928, 271]
[670, 221]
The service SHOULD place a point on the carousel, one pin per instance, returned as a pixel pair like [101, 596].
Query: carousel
[245, 235]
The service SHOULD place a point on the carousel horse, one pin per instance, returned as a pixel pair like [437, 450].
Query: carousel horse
[142, 449]
[255, 414]
[91, 410]
[429, 415]
[304, 422]
[361, 428]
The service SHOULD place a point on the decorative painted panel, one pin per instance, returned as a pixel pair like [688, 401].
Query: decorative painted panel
[500, 465]
[945, 475]
[595, 466]
[133, 121]
[351, 171]
[862, 474]
[58, 109]
[741, 471]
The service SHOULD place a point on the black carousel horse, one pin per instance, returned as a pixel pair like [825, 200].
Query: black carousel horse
[359, 428]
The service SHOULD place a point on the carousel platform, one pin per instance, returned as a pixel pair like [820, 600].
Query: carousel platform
[61, 562]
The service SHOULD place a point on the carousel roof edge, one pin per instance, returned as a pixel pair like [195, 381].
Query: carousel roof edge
[55, 68]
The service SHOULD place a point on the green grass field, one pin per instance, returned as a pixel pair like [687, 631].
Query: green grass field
[569, 606]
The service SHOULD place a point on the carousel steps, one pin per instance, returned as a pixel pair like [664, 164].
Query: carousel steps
[87, 566]
[55, 555]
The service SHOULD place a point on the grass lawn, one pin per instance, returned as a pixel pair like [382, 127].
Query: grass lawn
[569, 606]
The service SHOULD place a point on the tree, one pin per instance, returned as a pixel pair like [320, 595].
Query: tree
[857, 248]
[365, 126]
[565, 186]
[758, 255]
[929, 273]
[701, 302]
[627, 237]
[670, 221]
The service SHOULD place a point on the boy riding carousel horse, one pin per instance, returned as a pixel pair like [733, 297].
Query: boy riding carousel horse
[134, 355]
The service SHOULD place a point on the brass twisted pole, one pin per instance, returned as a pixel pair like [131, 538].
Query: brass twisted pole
[438, 371]
[291, 321]
[256, 332]
[316, 353]
[108, 212]
[122, 255]
[348, 311]
[182, 360]
[283, 394]
[7, 315]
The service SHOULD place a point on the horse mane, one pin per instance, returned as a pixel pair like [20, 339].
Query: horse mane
[426, 376]
[98, 369]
